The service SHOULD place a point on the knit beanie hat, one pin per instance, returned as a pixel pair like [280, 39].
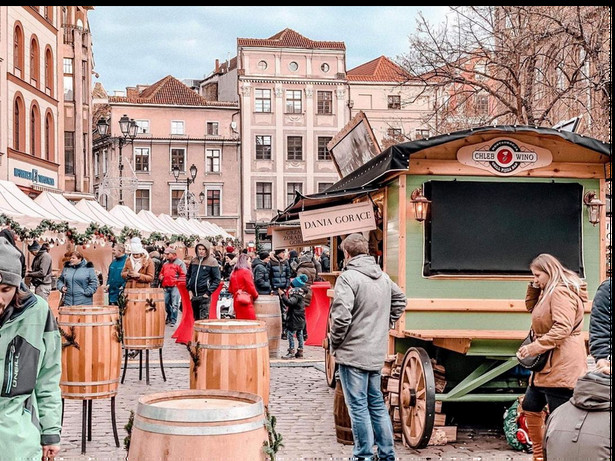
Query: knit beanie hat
[299, 281]
[10, 264]
[35, 246]
[263, 255]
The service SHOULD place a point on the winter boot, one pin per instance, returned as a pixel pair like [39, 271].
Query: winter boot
[290, 355]
[535, 421]
[299, 354]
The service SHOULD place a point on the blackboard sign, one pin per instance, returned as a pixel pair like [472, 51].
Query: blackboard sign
[497, 228]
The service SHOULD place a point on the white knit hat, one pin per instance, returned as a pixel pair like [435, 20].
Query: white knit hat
[136, 247]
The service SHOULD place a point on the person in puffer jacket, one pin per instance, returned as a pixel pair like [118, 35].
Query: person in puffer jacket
[202, 279]
[78, 281]
[600, 327]
[30, 363]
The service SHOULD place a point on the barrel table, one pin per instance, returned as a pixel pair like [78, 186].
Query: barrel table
[191, 425]
[230, 354]
[91, 359]
[343, 427]
[267, 309]
[143, 323]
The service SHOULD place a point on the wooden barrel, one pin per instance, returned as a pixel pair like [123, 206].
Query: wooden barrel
[343, 428]
[100, 298]
[91, 351]
[230, 354]
[192, 425]
[54, 301]
[267, 309]
[144, 316]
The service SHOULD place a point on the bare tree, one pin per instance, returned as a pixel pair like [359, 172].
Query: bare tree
[516, 65]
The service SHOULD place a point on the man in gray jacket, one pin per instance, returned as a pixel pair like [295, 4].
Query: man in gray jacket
[40, 275]
[366, 304]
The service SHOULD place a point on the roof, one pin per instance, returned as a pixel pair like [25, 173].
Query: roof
[381, 69]
[288, 38]
[396, 159]
[168, 91]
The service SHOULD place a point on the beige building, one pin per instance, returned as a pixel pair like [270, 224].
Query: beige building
[176, 128]
[45, 68]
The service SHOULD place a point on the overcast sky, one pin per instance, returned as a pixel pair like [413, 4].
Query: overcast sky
[141, 45]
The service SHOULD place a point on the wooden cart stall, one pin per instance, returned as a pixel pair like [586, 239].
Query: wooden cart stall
[464, 215]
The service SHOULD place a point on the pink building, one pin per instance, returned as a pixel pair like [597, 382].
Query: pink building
[176, 128]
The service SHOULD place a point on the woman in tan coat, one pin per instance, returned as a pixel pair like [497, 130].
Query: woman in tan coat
[556, 299]
[139, 268]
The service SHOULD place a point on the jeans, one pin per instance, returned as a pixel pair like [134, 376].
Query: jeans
[370, 419]
[291, 339]
[536, 398]
[171, 303]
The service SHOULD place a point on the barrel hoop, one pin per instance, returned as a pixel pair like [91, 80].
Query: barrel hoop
[262, 316]
[94, 383]
[86, 324]
[232, 347]
[81, 395]
[273, 338]
[215, 330]
[81, 313]
[200, 416]
[143, 337]
[208, 430]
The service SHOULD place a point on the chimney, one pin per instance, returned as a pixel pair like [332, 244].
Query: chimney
[217, 66]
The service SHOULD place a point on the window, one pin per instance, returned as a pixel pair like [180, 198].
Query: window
[48, 138]
[293, 101]
[323, 186]
[262, 65]
[85, 90]
[68, 65]
[263, 147]
[177, 127]
[394, 102]
[263, 196]
[421, 134]
[49, 72]
[142, 126]
[178, 158]
[291, 187]
[69, 152]
[212, 161]
[97, 163]
[323, 152]
[213, 202]
[105, 162]
[293, 66]
[212, 128]
[325, 67]
[141, 159]
[262, 100]
[176, 195]
[35, 148]
[325, 102]
[68, 88]
[141, 200]
[35, 66]
[295, 148]
[393, 132]
[18, 51]
[482, 104]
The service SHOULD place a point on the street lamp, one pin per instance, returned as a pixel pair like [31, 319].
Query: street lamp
[193, 172]
[128, 128]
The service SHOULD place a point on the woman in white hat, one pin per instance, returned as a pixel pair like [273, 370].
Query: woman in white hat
[139, 268]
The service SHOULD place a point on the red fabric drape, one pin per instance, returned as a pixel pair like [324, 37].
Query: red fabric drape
[183, 334]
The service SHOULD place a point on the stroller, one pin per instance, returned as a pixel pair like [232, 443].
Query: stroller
[224, 308]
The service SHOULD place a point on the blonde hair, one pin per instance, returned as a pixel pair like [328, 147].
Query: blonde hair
[557, 273]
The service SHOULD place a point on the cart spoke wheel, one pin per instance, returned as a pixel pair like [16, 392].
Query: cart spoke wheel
[330, 366]
[417, 403]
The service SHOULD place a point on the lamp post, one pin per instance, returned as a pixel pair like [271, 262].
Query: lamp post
[128, 127]
[193, 172]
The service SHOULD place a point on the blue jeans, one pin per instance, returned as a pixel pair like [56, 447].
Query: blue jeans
[171, 303]
[291, 339]
[370, 419]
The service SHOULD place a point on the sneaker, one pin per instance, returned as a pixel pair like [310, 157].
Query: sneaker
[172, 324]
[284, 336]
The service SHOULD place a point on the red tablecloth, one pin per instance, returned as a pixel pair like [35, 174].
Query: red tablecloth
[183, 334]
[214, 302]
[317, 313]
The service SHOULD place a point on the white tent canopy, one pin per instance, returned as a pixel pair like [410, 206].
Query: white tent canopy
[207, 230]
[193, 229]
[158, 224]
[97, 213]
[131, 219]
[175, 223]
[63, 208]
[17, 205]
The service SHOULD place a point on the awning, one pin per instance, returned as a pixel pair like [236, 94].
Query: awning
[96, 211]
[174, 224]
[183, 222]
[153, 221]
[131, 219]
[17, 205]
[63, 208]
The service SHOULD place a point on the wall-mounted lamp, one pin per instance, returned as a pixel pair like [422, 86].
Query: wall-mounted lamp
[202, 197]
[420, 204]
[594, 204]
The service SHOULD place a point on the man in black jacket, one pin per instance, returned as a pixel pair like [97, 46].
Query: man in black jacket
[600, 329]
[202, 279]
[260, 270]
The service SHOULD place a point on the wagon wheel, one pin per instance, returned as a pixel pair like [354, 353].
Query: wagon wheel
[330, 366]
[417, 397]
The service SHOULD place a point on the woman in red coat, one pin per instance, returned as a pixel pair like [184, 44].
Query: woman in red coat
[242, 280]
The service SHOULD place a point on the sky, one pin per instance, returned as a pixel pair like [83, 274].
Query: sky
[141, 45]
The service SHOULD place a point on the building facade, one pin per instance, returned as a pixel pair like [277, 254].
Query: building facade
[176, 128]
[40, 108]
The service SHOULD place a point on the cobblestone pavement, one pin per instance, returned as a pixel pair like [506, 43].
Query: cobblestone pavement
[299, 398]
